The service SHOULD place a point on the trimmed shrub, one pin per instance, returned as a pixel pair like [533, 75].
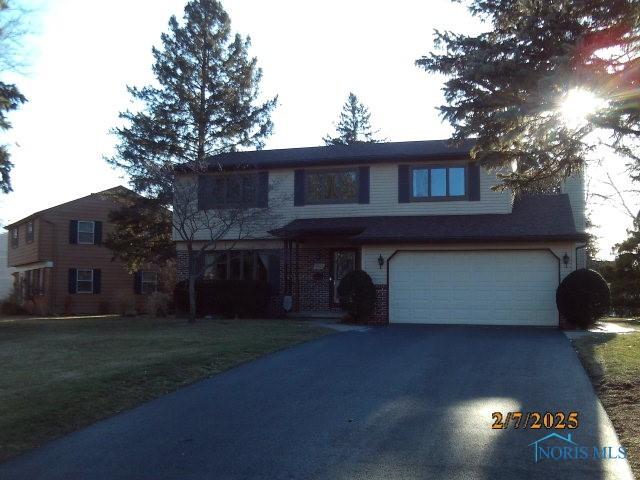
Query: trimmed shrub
[229, 298]
[357, 295]
[157, 304]
[583, 297]
[11, 306]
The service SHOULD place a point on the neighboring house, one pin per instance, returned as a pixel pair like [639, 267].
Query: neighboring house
[62, 267]
[419, 217]
[6, 273]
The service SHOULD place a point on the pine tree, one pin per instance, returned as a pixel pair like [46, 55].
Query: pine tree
[204, 102]
[354, 125]
[10, 96]
[143, 231]
[511, 87]
[623, 274]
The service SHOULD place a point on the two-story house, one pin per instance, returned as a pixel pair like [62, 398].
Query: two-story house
[61, 265]
[420, 218]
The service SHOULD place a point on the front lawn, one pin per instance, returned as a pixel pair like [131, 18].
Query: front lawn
[59, 375]
[613, 363]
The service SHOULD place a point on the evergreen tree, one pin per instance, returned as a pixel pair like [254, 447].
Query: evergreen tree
[143, 231]
[514, 86]
[204, 102]
[10, 96]
[354, 125]
[623, 274]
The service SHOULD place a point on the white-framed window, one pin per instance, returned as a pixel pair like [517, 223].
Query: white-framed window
[149, 282]
[84, 281]
[86, 232]
[15, 240]
[30, 231]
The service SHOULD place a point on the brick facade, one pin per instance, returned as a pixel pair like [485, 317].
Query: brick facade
[309, 282]
[182, 265]
[313, 289]
[381, 312]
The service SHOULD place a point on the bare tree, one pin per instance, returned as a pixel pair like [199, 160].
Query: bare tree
[205, 227]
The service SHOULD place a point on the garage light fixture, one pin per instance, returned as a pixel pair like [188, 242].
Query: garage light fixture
[565, 259]
[380, 261]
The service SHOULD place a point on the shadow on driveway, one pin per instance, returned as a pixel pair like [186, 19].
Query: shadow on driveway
[390, 402]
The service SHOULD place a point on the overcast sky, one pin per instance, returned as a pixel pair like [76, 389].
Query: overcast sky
[82, 54]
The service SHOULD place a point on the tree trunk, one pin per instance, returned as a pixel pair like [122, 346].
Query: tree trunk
[192, 298]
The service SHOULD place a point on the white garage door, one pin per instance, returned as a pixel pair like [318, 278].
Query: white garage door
[479, 287]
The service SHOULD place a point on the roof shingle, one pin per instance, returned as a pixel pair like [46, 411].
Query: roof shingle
[534, 218]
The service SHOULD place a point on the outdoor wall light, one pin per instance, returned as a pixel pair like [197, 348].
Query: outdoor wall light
[565, 259]
[380, 261]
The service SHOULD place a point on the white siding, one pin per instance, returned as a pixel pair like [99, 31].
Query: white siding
[383, 200]
[370, 254]
[6, 277]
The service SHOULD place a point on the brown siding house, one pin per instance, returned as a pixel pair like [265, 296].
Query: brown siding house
[62, 266]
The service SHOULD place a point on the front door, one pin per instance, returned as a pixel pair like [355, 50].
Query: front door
[344, 261]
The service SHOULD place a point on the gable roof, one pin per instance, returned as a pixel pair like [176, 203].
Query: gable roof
[534, 218]
[117, 190]
[341, 154]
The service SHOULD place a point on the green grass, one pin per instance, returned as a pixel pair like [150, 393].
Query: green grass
[613, 363]
[59, 375]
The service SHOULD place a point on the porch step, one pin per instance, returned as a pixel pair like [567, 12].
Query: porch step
[316, 315]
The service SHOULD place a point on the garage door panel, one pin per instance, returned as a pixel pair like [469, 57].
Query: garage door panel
[480, 287]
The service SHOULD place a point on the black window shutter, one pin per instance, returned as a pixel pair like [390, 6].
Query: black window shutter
[73, 231]
[97, 280]
[403, 183]
[474, 181]
[274, 274]
[363, 187]
[205, 192]
[298, 188]
[137, 282]
[97, 232]
[263, 189]
[72, 280]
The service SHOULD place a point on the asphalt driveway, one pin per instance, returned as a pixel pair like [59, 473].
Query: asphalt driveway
[393, 402]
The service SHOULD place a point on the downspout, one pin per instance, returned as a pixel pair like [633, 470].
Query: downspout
[585, 253]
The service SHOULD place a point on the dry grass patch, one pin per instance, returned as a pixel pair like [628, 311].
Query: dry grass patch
[59, 375]
[613, 364]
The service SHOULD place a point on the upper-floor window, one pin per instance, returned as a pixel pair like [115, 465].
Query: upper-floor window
[234, 190]
[30, 232]
[86, 232]
[331, 186]
[15, 239]
[435, 182]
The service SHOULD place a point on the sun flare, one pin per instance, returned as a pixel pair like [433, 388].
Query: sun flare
[577, 105]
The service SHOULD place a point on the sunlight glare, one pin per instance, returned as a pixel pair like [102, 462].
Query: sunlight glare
[577, 105]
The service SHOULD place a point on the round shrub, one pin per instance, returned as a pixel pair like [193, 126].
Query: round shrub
[357, 295]
[583, 297]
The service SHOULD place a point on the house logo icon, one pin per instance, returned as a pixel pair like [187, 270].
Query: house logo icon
[557, 448]
[563, 451]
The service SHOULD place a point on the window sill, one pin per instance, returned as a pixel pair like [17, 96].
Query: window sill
[439, 199]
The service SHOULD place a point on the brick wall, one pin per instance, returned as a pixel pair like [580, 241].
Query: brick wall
[313, 288]
[380, 314]
[182, 265]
